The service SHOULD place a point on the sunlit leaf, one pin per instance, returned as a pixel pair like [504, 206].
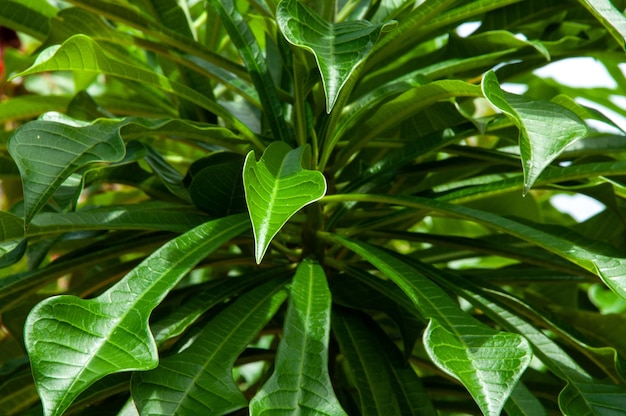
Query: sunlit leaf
[73, 342]
[47, 153]
[82, 53]
[276, 187]
[488, 363]
[199, 379]
[610, 17]
[339, 48]
[300, 383]
[546, 128]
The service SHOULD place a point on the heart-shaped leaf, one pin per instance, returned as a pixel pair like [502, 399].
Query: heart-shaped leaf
[276, 187]
[48, 152]
[199, 380]
[74, 342]
[339, 48]
[301, 384]
[546, 128]
[484, 361]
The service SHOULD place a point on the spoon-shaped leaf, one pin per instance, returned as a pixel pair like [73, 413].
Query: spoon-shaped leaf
[301, 384]
[47, 153]
[339, 48]
[546, 128]
[276, 187]
[74, 342]
[199, 380]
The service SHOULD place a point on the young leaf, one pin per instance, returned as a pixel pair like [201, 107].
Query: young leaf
[199, 379]
[339, 48]
[73, 342]
[546, 128]
[48, 152]
[276, 187]
[301, 384]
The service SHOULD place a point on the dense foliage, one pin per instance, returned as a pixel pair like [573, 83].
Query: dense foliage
[310, 207]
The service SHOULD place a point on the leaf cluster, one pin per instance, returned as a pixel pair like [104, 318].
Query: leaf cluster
[299, 207]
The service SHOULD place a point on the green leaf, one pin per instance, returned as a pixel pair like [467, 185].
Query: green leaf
[144, 216]
[47, 153]
[546, 128]
[82, 53]
[481, 363]
[339, 48]
[199, 379]
[216, 184]
[300, 383]
[610, 17]
[252, 56]
[387, 384]
[276, 187]
[28, 16]
[25, 107]
[592, 398]
[73, 342]
[488, 363]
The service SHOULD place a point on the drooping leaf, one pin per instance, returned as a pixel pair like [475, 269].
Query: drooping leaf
[546, 128]
[47, 153]
[73, 342]
[339, 48]
[488, 363]
[276, 187]
[300, 383]
[199, 379]
[82, 53]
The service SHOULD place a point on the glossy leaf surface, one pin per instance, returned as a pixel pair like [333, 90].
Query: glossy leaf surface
[339, 48]
[300, 382]
[74, 342]
[488, 363]
[199, 379]
[546, 128]
[276, 187]
[47, 153]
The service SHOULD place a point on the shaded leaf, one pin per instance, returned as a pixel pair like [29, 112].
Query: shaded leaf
[546, 128]
[199, 379]
[387, 384]
[254, 60]
[276, 187]
[300, 383]
[592, 398]
[339, 48]
[73, 342]
[216, 185]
